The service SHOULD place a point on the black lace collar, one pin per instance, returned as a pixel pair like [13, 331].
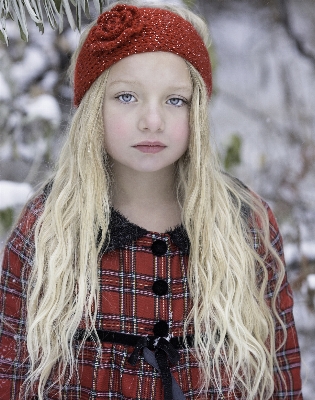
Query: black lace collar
[123, 232]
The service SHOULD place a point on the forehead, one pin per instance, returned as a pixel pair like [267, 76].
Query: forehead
[160, 67]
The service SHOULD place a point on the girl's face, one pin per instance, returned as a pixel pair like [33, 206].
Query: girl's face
[146, 111]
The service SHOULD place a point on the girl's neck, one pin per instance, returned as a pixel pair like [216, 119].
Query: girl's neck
[147, 199]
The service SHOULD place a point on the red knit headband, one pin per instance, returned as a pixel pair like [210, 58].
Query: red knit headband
[126, 30]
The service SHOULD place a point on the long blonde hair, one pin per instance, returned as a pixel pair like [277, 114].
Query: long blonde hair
[232, 324]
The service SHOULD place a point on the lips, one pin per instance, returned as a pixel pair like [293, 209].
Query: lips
[150, 147]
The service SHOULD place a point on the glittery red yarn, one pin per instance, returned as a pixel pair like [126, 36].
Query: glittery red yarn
[126, 30]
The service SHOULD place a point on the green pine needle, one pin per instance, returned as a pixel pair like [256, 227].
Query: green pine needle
[40, 10]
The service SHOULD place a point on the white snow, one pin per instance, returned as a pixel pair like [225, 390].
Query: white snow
[308, 249]
[33, 64]
[5, 151]
[13, 194]
[44, 107]
[27, 151]
[72, 38]
[291, 253]
[49, 80]
[12, 29]
[5, 92]
[311, 281]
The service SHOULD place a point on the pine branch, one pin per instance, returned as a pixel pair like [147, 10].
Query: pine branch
[39, 10]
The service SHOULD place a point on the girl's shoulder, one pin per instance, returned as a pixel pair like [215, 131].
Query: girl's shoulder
[33, 209]
[251, 194]
[259, 216]
[21, 239]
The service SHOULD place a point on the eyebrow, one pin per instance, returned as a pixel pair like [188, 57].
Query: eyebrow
[123, 81]
[173, 87]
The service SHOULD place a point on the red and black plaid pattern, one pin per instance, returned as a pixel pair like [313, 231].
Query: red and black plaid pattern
[128, 305]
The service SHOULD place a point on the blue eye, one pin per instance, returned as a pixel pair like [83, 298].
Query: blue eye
[126, 98]
[176, 101]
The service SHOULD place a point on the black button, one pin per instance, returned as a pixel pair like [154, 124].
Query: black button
[160, 287]
[160, 329]
[159, 247]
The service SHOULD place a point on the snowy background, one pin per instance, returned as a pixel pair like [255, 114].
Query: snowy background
[262, 114]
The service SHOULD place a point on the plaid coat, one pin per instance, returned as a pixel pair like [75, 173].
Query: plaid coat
[144, 291]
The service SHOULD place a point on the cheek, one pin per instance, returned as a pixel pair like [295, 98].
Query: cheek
[182, 135]
[115, 130]
[115, 125]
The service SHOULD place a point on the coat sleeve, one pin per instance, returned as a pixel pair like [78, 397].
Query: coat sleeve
[17, 262]
[287, 377]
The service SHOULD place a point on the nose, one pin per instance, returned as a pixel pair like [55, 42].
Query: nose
[151, 118]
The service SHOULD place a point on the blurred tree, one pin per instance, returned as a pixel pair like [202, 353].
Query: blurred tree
[33, 88]
[265, 91]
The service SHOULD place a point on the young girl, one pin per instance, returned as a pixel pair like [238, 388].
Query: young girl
[141, 270]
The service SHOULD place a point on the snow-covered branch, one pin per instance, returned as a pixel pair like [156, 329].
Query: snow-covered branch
[39, 11]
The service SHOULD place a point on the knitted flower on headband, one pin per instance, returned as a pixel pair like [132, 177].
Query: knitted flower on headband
[125, 30]
[116, 27]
